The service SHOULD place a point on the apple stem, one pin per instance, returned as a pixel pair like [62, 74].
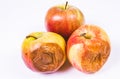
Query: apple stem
[83, 34]
[66, 5]
[86, 35]
[31, 36]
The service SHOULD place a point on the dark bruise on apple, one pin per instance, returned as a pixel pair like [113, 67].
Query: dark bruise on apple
[88, 48]
[63, 19]
[43, 56]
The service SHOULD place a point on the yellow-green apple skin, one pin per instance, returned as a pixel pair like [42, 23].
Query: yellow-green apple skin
[44, 51]
[64, 19]
[88, 48]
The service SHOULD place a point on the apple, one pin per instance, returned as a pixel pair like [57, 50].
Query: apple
[88, 48]
[44, 51]
[63, 19]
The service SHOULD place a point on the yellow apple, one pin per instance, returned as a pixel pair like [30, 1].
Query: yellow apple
[44, 51]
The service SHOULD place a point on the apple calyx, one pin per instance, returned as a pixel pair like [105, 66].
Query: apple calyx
[86, 35]
[66, 5]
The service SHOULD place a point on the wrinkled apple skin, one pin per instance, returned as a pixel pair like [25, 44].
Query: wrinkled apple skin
[43, 41]
[63, 21]
[88, 48]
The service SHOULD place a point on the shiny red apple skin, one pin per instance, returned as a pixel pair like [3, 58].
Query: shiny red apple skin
[63, 20]
[88, 48]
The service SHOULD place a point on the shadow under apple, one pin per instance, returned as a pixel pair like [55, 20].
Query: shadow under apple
[66, 66]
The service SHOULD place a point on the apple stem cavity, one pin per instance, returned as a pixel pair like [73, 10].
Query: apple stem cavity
[86, 35]
[66, 5]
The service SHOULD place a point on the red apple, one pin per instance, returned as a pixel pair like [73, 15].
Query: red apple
[88, 48]
[44, 51]
[63, 19]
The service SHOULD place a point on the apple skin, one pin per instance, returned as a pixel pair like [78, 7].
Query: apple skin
[44, 51]
[88, 48]
[63, 19]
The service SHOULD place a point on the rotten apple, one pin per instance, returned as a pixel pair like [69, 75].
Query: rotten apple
[63, 19]
[44, 51]
[88, 48]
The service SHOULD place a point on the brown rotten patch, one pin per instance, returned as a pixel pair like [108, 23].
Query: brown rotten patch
[48, 57]
[93, 60]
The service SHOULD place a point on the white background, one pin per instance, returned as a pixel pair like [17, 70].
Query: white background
[18, 18]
